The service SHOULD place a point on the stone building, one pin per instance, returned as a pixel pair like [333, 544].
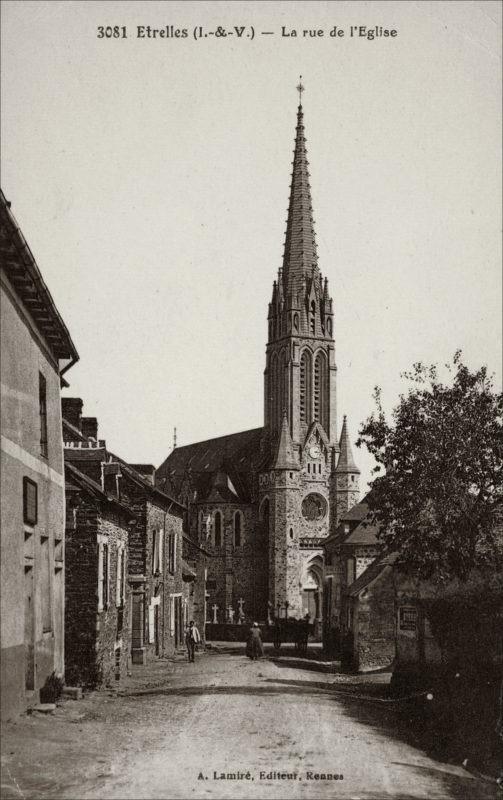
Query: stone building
[348, 552]
[264, 500]
[369, 608]
[159, 594]
[97, 595]
[36, 351]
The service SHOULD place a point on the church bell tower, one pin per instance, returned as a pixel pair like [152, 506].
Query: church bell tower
[298, 487]
[300, 374]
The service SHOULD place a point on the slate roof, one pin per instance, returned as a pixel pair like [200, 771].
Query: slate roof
[97, 451]
[371, 573]
[211, 465]
[361, 531]
[75, 479]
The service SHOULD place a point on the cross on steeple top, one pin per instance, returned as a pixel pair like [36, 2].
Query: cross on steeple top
[300, 89]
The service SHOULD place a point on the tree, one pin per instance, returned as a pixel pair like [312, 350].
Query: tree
[439, 485]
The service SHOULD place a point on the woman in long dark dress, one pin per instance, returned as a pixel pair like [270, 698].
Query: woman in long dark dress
[254, 648]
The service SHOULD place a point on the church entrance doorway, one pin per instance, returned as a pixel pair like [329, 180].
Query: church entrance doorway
[310, 604]
[312, 593]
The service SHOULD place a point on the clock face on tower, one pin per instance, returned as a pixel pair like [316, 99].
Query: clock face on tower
[314, 451]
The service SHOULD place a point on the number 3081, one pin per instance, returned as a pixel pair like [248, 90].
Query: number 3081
[111, 32]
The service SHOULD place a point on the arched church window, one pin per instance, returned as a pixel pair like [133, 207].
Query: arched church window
[312, 320]
[282, 377]
[320, 380]
[265, 515]
[217, 529]
[296, 322]
[238, 529]
[329, 326]
[273, 389]
[305, 387]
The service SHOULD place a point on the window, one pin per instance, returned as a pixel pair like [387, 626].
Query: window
[265, 513]
[282, 386]
[42, 406]
[305, 387]
[350, 567]
[172, 553]
[45, 584]
[103, 573]
[238, 526]
[120, 593]
[157, 553]
[320, 374]
[273, 389]
[30, 502]
[217, 529]
[312, 321]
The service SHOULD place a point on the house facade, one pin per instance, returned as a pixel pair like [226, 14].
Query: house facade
[158, 594]
[36, 350]
[97, 593]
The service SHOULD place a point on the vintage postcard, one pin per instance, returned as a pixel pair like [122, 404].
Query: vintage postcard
[252, 478]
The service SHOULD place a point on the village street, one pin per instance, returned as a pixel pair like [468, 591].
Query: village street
[173, 735]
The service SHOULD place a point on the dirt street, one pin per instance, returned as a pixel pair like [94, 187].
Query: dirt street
[283, 732]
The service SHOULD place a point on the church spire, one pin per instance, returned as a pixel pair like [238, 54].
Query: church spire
[346, 462]
[299, 258]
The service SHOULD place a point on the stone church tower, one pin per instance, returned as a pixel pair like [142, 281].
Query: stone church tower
[300, 409]
[262, 501]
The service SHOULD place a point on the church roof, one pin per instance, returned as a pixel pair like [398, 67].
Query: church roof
[346, 462]
[216, 465]
[300, 258]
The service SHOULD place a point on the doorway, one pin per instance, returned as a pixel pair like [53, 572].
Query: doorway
[29, 648]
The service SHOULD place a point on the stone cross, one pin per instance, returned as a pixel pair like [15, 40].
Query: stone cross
[231, 615]
[241, 613]
[215, 609]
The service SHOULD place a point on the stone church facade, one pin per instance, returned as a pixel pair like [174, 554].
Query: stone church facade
[261, 502]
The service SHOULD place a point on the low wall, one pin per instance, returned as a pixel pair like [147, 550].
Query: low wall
[225, 632]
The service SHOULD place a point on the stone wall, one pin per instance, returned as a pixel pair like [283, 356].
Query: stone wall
[373, 624]
[97, 642]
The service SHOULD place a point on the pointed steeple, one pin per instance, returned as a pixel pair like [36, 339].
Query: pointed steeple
[346, 462]
[285, 456]
[299, 258]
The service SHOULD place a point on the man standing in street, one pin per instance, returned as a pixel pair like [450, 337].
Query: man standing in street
[192, 637]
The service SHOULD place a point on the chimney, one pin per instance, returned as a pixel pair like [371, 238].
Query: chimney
[147, 471]
[89, 428]
[110, 477]
[71, 408]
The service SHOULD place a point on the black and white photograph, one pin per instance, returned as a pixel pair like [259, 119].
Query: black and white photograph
[251, 400]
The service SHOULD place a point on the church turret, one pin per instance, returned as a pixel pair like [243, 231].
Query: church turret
[285, 456]
[347, 475]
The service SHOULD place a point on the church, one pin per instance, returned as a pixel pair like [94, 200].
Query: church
[261, 502]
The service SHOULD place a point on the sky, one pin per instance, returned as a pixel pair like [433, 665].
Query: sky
[150, 177]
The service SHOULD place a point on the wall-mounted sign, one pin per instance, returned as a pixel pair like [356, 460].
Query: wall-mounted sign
[407, 618]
